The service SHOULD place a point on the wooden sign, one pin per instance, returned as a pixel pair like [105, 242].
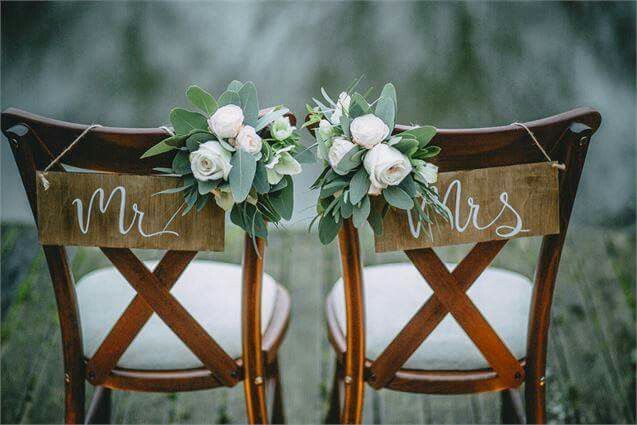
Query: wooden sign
[486, 204]
[120, 211]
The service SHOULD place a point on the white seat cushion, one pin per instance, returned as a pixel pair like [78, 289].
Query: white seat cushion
[394, 292]
[210, 291]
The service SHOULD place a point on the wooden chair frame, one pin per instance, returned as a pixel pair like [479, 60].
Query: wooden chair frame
[566, 138]
[35, 141]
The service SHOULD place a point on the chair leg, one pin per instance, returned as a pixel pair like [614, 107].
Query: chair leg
[74, 398]
[512, 411]
[278, 412]
[535, 397]
[334, 410]
[99, 412]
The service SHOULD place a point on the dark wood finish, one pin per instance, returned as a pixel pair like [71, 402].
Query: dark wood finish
[531, 191]
[35, 141]
[566, 138]
[59, 222]
[512, 410]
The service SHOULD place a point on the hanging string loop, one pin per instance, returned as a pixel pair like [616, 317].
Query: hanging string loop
[537, 143]
[45, 182]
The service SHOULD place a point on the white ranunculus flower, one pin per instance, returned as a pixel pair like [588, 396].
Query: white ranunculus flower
[210, 162]
[248, 140]
[342, 105]
[226, 121]
[281, 164]
[368, 130]
[386, 166]
[340, 147]
[426, 173]
[281, 128]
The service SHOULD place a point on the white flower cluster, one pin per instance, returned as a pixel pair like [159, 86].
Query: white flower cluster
[212, 160]
[386, 165]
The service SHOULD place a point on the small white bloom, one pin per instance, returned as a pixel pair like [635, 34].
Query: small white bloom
[223, 198]
[386, 166]
[426, 173]
[281, 128]
[248, 140]
[282, 163]
[226, 121]
[340, 147]
[210, 162]
[342, 105]
[325, 129]
[368, 130]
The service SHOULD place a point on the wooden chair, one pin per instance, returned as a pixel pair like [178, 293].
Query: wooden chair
[174, 350]
[391, 296]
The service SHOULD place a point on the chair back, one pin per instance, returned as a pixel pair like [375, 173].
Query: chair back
[35, 142]
[565, 138]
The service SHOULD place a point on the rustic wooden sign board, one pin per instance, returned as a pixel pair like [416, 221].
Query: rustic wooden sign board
[119, 211]
[486, 204]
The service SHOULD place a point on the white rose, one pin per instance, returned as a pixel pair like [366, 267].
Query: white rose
[386, 166]
[426, 173]
[281, 128]
[368, 130]
[342, 104]
[248, 140]
[210, 162]
[337, 151]
[226, 121]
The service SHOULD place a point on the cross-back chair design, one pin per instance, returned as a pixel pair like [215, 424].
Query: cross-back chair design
[394, 366]
[35, 141]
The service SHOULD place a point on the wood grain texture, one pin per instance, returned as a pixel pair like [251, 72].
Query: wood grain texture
[474, 199]
[59, 218]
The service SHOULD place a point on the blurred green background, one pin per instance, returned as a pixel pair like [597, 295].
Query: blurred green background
[454, 64]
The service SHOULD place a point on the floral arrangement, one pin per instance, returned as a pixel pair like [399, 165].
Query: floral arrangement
[363, 160]
[234, 154]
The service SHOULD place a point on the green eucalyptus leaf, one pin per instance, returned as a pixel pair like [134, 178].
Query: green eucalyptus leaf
[185, 121]
[235, 85]
[229, 98]
[282, 184]
[191, 200]
[331, 188]
[409, 186]
[206, 186]
[345, 123]
[407, 146]
[427, 152]
[375, 220]
[328, 229]
[249, 103]
[358, 106]
[202, 99]
[361, 212]
[347, 209]
[261, 184]
[173, 190]
[398, 198]
[158, 149]
[386, 111]
[390, 91]
[193, 142]
[422, 134]
[181, 163]
[202, 201]
[236, 216]
[351, 160]
[270, 117]
[359, 186]
[283, 200]
[241, 176]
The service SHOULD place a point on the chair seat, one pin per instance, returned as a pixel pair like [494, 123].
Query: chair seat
[210, 291]
[394, 292]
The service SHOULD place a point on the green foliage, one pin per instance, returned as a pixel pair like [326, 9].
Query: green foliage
[244, 166]
[184, 121]
[283, 200]
[422, 134]
[249, 103]
[202, 99]
[397, 197]
[386, 111]
[229, 98]
[359, 185]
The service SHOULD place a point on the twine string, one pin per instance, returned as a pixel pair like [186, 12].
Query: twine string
[168, 130]
[537, 143]
[45, 182]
